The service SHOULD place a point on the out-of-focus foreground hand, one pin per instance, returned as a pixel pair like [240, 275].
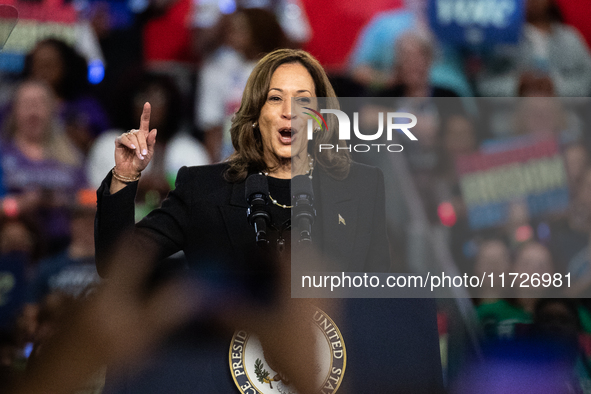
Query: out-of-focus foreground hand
[117, 324]
[123, 321]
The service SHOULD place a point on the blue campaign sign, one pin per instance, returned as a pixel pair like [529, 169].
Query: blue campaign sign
[476, 22]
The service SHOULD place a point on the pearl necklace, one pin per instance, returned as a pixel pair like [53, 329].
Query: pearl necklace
[275, 202]
[278, 204]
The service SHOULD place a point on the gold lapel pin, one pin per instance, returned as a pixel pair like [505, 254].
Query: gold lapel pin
[342, 220]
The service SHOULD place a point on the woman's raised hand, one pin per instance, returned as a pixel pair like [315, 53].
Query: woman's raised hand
[135, 148]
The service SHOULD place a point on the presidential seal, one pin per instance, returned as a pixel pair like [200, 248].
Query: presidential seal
[254, 375]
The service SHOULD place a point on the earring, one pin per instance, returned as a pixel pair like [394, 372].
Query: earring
[254, 125]
[317, 129]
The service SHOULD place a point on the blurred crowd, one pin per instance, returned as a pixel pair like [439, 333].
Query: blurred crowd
[191, 60]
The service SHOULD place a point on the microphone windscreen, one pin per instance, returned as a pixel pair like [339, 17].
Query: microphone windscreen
[301, 184]
[256, 183]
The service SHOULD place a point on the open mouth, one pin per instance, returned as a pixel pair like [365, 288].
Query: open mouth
[286, 134]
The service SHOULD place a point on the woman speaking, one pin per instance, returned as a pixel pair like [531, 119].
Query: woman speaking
[206, 215]
[207, 210]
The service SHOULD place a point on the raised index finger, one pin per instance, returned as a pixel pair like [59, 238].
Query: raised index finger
[145, 119]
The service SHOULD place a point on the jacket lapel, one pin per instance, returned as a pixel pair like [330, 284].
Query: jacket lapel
[235, 219]
[337, 220]
[337, 212]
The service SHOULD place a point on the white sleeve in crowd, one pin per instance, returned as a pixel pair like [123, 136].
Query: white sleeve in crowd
[291, 15]
[209, 111]
[206, 13]
[100, 158]
[573, 77]
[294, 21]
[87, 43]
[184, 150]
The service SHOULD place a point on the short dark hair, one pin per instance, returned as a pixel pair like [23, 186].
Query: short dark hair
[267, 34]
[74, 77]
[569, 304]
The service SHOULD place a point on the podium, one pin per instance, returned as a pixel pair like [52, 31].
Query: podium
[392, 346]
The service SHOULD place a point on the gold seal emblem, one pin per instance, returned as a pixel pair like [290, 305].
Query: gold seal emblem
[252, 374]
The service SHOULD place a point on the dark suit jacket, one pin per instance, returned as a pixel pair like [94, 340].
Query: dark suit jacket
[206, 217]
[392, 344]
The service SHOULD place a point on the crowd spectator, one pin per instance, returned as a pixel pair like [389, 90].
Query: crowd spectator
[532, 258]
[65, 72]
[17, 266]
[72, 271]
[546, 358]
[13, 281]
[557, 326]
[493, 257]
[374, 54]
[573, 237]
[55, 126]
[459, 138]
[546, 117]
[415, 52]
[548, 51]
[208, 14]
[40, 165]
[509, 318]
[576, 160]
[250, 34]
[175, 146]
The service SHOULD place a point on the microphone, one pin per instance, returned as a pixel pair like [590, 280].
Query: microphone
[257, 191]
[303, 211]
